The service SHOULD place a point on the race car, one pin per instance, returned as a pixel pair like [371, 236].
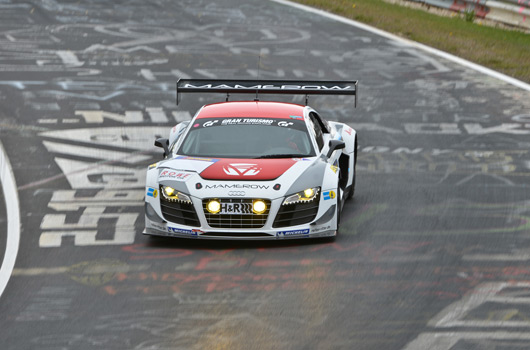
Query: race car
[253, 170]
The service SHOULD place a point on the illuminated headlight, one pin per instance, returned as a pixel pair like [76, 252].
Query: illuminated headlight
[259, 206]
[213, 206]
[304, 196]
[173, 195]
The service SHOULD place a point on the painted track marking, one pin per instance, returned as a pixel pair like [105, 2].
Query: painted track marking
[426, 48]
[13, 219]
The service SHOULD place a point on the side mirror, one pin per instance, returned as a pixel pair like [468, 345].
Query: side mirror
[163, 143]
[335, 145]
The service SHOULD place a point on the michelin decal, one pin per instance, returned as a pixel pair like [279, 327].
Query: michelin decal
[292, 233]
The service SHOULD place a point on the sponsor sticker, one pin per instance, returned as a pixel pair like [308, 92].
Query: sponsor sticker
[246, 121]
[250, 186]
[270, 86]
[236, 208]
[301, 159]
[348, 131]
[173, 175]
[292, 233]
[152, 192]
[158, 226]
[153, 165]
[334, 168]
[329, 195]
[320, 229]
[296, 117]
[171, 230]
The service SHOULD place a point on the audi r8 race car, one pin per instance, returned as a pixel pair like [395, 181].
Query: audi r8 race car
[253, 169]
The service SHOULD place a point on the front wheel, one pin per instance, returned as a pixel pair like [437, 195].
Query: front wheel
[351, 192]
[338, 210]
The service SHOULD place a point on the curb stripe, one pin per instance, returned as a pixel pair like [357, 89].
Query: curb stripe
[461, 61]
[13, 219]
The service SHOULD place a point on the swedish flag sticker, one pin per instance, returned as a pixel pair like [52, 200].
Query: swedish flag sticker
[151, 192]
[329, 195]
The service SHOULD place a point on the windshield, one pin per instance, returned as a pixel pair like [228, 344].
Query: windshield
[247, 138]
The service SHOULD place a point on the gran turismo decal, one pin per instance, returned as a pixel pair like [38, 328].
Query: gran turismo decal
[284, 124]
[241, 169]
[173, 175]
[152, 192]
[171, 230]
[329, 195]
[210, 123]
[292, 233]
[238, 186]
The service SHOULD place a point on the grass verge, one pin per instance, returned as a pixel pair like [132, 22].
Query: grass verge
[503, 50]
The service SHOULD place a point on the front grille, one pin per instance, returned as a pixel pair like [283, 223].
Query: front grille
[296, 214]
[236, 220]
[179, 212]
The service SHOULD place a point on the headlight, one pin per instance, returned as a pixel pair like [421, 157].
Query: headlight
[259, 206]
[213, 206]
[172, 195]
[304, 196]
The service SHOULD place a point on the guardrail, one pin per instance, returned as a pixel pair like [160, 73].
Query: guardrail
[512, 12]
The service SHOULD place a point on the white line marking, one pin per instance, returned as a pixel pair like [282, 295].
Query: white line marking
[13, 219]
[426, 48]
[446, 341]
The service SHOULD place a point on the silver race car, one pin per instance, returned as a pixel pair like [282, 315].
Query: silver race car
[253, 169]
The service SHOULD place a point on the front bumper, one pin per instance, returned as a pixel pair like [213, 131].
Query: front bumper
[171, 230]
[323, 225]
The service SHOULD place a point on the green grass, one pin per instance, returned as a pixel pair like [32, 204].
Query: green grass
[506, 51]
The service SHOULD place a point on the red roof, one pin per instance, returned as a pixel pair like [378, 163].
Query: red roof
[251, 109]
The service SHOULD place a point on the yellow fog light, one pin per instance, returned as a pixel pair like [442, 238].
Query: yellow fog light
[169, 191]
[259, 206]
[309, 193]
[213, 206]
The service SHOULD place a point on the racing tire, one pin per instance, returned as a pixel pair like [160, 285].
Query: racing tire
[351, 192]
[338, 210]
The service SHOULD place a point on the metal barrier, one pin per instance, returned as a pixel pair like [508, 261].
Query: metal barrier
[512, 12]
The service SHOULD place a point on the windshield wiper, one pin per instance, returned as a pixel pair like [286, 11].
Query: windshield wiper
[282, 156]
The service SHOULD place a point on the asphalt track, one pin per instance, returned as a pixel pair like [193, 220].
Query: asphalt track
[433, 251]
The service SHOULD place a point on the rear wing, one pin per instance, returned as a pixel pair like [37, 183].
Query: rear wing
[287, 87]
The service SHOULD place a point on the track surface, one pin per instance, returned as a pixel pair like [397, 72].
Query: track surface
[433, 251]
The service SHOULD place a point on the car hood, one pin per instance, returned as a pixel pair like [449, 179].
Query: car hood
[253, 175]
[247, 169]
